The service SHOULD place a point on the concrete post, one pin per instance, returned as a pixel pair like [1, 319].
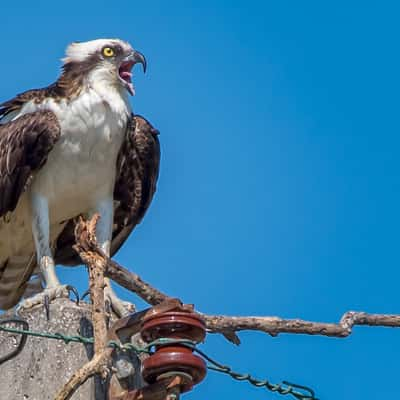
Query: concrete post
[44, 365]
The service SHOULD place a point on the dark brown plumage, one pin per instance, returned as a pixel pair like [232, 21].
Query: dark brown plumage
[32, 136]
[24, 146]
[68, 85]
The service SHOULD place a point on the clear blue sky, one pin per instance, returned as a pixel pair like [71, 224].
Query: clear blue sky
[279, 189]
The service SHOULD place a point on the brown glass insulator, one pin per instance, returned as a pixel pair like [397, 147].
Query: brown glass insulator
[174, 325]
[175, 360]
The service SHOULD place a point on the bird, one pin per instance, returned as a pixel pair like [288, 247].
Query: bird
[74, 148]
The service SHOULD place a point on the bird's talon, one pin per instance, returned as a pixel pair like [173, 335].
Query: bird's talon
[85, 294]
[46, 303]
[72, 289]
[43, 298]
[17, 310]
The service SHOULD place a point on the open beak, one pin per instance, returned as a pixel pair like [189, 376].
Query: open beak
[125, 69]
[139, 58]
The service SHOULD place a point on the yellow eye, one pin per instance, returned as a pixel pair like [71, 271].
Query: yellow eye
[108, 52]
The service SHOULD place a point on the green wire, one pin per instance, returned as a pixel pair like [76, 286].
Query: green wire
[284, 388]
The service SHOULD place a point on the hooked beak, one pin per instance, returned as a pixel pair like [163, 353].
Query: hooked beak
[125, 69]
[139, 58]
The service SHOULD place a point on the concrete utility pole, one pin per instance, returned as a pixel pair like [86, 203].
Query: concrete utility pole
[44, 365]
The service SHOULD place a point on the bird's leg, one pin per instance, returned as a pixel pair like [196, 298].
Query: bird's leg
[105, 208]
[45, 260]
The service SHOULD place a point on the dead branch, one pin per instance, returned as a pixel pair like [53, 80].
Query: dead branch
[96, 262]
[134, 283]
[228, 326]
[86, 237]
[94, 366]
[100, 265]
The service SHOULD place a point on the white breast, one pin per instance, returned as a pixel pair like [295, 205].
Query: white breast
[81, 167]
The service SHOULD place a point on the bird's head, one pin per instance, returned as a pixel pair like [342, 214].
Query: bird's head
[103, 61]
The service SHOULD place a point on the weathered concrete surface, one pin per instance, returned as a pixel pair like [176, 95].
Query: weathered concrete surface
[44, 365]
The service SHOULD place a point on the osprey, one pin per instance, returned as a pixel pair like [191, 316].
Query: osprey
[73, 148]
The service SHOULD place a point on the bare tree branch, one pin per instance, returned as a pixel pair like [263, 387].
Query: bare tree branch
[87, 248]
[94, 366]
[275, 325]
[134, 283]
[97, 263]
[228, 326]
[100, 265]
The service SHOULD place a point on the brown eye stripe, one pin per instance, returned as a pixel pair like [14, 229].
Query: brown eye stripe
[118, 50]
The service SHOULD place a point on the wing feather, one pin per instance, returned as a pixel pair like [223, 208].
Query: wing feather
[24, 146]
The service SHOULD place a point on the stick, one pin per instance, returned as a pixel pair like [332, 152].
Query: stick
[86, 241]
[227, 325]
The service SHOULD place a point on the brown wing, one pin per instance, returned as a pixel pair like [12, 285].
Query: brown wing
[137, 174]
[24, 146]
[35, 95]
